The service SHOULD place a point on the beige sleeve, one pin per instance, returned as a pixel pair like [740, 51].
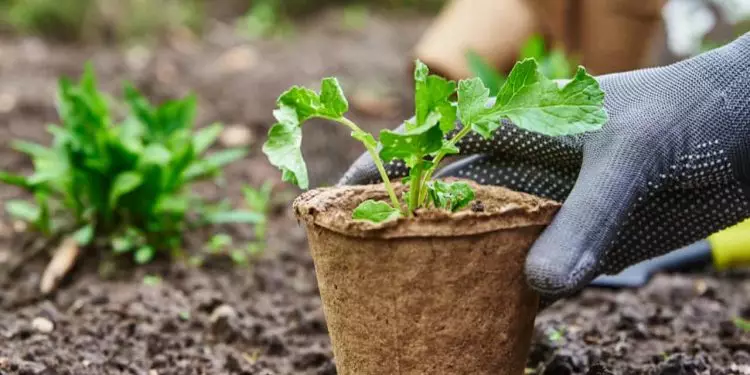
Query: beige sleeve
[605, 35]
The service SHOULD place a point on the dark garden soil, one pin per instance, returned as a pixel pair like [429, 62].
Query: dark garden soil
[267, 318]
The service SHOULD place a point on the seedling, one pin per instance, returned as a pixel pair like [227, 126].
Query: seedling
[151, 280]
[259, 201]
[184, 315]
[742, 324]
[527, 98]
[555, 335]
[122, 183]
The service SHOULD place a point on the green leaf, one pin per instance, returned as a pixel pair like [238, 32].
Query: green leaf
[365, 138]
[432, 97]
[412, 145]
[307, 103]
[144, 254]
[472, 100]
[535, 103]
[448, 148]
[332, 98]
[258, 199]
[297, 105]
[486, 128]
[124, 183]
[84, 235]
[447, 117]
[452, 196]
[155, 154]
[139, 106]
[219, 242]
[176, 115]
[33, 149]
[15, 180]
[303, 101]
[49, 170]
[44, 219]
[214, 162]
[23, 210]
[283, 151]
[244, 217]
[556, 65]
[122, 244]
[224, 157]
[205, 137]
[534, 48]
[375, 211]
[484, 71]
[172, 204]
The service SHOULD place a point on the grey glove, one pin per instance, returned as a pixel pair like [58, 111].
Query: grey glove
[670, 167]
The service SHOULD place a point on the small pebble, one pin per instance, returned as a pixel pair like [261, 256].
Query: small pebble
[42, 324]
[477, 206]
[223, 312]
[153, 372]
[19, 226]
[7, 102]
[236, 136]
[238, 59]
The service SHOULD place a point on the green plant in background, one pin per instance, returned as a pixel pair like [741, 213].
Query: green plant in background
[528, 98]
[100, 20]
[266, 18]
[61, 19]
[554, 64]
[275, 17]
[258, 202]
[136, 20]
[122, 183]
[355, 16]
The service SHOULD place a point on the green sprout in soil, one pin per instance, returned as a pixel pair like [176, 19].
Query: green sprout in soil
[258, 202]
[122, 183]
[151, 280]
[742, 324]
[527, 98]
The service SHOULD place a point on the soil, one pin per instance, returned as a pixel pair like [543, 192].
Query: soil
[267, 318]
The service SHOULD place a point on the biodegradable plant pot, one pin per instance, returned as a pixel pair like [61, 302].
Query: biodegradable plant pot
[440, 293]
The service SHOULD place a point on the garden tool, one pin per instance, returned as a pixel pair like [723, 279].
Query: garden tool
[726, 249]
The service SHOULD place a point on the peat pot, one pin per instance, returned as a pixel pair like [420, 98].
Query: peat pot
[440, 293]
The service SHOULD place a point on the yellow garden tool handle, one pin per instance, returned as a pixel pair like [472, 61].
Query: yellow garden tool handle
[731, 247]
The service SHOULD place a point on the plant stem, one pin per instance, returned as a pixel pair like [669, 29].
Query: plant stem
[436, 161]
[375, 159]
[415, 191]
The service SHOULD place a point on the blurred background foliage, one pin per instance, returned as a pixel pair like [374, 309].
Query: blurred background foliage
[134, 20]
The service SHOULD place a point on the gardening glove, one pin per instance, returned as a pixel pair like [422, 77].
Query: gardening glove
[671, 166]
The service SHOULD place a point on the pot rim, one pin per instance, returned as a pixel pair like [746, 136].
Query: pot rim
[331, 208]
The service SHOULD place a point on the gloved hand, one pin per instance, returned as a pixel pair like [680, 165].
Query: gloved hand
[670, 167]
